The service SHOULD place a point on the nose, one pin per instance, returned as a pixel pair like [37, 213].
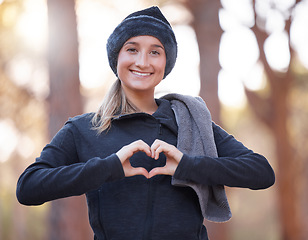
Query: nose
[142, 60]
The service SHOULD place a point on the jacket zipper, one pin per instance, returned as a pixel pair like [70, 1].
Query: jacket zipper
[149, 217]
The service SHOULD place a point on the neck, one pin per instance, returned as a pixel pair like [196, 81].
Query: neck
[144, 102]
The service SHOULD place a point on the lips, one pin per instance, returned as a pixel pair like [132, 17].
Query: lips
[142, 74]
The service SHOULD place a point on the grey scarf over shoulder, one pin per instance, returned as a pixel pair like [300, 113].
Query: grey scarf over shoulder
[195, 138]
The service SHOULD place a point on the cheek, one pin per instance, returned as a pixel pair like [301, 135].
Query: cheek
[162, 62]
[124, 60]
[161, 65]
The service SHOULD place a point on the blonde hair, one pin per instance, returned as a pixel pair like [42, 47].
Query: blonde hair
[114, 104]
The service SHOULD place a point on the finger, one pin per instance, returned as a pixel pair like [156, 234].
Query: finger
[157, 152]
[138, 146]
[169, 150]
[161, 148]
[140, 171]
[130, 171]
[157, 148]
[129, 150]
[159, 171]
[153, 148]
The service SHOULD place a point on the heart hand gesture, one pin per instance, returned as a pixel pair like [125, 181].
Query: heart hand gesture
[173, 157]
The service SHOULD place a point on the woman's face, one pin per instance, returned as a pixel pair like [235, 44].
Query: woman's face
[141, 64]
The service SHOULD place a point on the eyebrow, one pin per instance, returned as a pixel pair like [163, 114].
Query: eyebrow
[153, 45]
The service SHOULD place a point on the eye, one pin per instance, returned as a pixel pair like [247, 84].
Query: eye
[154, 52]
[132, 50]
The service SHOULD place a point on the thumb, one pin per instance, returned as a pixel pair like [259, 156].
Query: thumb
[131, 171]
[159, 171]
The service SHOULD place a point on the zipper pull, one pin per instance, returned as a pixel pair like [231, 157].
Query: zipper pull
[160, 129]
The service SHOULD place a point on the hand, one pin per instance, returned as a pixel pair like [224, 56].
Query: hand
[129, 150]
[173, 157]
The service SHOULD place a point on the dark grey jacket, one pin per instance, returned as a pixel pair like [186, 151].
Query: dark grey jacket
[78, 161]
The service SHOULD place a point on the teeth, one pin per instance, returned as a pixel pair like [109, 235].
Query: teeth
[141, 74]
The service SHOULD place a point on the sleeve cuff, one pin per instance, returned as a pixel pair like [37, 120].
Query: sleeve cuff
[184, 168]
[114, 166]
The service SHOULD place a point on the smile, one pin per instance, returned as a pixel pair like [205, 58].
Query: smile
[141, 74]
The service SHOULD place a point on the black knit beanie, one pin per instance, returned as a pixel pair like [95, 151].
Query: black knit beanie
[149, 22]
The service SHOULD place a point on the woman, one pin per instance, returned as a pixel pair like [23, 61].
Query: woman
[150, 168]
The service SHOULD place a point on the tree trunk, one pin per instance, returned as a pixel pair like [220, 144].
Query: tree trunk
[208, 32]
[274, 112]
[275, 116]
[68, 217]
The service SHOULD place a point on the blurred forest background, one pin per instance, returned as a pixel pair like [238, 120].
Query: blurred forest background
[247, 58]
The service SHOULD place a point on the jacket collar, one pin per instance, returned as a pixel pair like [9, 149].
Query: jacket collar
[164, 114]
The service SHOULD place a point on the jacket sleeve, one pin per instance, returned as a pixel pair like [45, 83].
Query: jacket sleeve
[235, 166]
[57, 173]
